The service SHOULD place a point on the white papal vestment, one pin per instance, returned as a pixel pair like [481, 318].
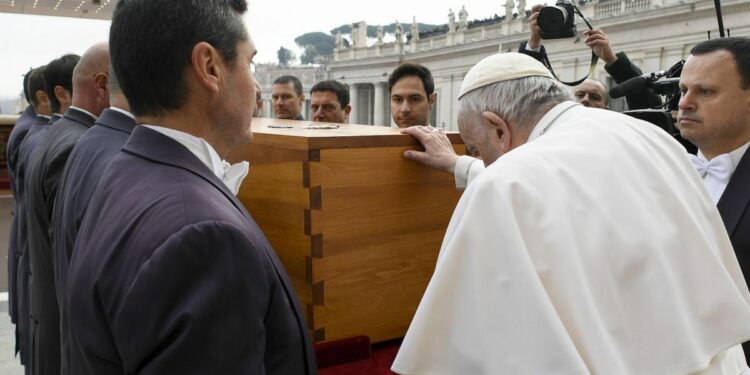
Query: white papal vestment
[592, 249]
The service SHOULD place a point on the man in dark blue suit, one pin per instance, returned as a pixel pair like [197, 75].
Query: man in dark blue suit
[89, 99]
[63, 68]
[169, 273]
[15, 138]
[715, 115]
[84, 168]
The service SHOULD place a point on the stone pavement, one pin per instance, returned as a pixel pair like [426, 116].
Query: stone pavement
[9, 364]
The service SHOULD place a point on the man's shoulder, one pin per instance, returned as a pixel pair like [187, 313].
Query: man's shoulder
[159, 184]
[100, 139]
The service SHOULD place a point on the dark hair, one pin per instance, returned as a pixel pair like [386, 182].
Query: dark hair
[283, 80]
[341, 90]
[410, 69]
[59, 72]
[26, 93]
[738, 47]
[151, 42]
[36, 83]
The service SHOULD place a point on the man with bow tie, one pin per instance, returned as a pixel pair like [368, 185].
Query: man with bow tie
[715, 115]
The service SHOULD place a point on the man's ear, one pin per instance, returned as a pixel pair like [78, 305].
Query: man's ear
[302, 99]
[347, 110]
[62, 95]
[41, 98]
[206, 66]
[101, 80]
[498, 128]
[432, 99]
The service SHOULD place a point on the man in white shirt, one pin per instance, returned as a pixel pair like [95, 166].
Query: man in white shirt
[588, 245]
[715, 115]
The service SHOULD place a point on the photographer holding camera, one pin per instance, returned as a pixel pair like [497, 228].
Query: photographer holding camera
[617, 65]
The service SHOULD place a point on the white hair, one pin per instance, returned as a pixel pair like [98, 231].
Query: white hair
[521, 102]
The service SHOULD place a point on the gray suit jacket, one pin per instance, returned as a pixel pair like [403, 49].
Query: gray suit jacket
[37, 133]
[79, 180]
[43, 177]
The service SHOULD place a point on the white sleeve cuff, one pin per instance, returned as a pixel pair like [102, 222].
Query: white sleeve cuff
[537, 49]
[466, 166]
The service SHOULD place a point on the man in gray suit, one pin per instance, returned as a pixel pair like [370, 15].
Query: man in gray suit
[89, 98]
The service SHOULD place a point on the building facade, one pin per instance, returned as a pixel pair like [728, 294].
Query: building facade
[654, 33]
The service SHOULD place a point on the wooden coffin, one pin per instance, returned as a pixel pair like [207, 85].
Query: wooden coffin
[357, 227]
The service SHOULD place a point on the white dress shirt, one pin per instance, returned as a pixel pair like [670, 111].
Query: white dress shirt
[231, 174]
[124, 112]
[714, 185]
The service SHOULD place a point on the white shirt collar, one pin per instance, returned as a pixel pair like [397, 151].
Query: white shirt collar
[124, 112]
[735, 155]
[43, 116]
[231, 174]
[84, 111]
[549, 118]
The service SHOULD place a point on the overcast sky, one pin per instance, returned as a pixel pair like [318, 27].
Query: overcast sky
[35, 40]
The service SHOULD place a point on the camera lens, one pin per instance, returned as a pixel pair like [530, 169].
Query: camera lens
[552, 18]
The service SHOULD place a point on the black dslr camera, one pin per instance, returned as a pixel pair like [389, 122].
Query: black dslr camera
[558, 21]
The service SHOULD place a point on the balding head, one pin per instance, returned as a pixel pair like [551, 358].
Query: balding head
[591, 93]
[90, 77]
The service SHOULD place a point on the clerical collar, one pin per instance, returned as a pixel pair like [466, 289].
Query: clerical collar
[735, 155]
[549, 119]
[84, 111]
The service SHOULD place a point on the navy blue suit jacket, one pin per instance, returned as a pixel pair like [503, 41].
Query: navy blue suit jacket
[79, 180]
[20, 129]
[20, 287]
[171, 275]
[42, 180]
[734, 207]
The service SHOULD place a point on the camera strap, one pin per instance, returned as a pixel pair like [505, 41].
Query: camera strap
[594, 59]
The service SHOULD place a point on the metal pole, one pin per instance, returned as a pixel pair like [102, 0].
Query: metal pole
[717, 4]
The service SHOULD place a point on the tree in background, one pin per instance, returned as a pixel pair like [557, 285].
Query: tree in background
[285, 56]
[315, 44]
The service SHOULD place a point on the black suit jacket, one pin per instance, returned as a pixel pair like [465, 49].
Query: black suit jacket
[170, 275]
[20, 129]
[43, 178]
[733, 207]
[37, 133]
[621, 70]
[84, 168]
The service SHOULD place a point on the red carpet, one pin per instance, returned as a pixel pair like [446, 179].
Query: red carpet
[355, 356]
[4, 182]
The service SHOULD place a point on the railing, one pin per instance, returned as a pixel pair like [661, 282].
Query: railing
[618, 7]
[8, 120]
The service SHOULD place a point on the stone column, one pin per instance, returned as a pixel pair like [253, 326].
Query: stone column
[353, 101]
[379, 111]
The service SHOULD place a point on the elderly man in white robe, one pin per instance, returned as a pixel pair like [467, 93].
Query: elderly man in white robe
[585, 243]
